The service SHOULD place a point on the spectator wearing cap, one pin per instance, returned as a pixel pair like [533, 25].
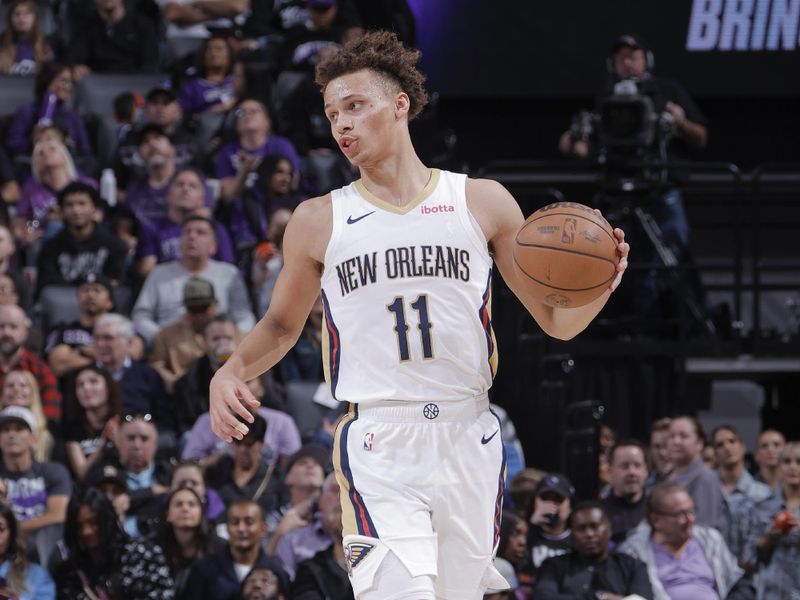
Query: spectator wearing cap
[219, 576]
[220, 338]
[160, 301]
[146, 196]
[161, 108]
[549, 534]
[246, 474]
[143, 390]
[590, 571]
[320, 575]
[112, 483]
[305, 474]
[177, 346]
[624, 506]
[38, 491]
[235, 162]
[159, 241]
[70, 345]
[83, 248]
[14, 329]
[684, 559]
[114, 41]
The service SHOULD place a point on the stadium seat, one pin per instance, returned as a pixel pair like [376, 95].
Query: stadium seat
[96, 93]
[16, 91]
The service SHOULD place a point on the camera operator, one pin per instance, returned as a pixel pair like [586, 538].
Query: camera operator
[673, 126]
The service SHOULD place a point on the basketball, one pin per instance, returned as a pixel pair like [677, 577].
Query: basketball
[566, 254]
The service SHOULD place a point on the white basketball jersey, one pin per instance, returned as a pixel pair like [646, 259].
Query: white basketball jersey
[407, 297]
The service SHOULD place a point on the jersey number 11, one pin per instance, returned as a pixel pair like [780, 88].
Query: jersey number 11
[398, 309]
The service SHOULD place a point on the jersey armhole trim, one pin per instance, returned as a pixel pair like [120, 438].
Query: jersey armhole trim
[336, 230]
[469, 222]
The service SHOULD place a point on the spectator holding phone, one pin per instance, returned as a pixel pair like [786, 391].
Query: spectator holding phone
[549, 534]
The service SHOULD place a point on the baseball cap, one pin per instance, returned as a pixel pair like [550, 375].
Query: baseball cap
[161, 90]
[198, 292]
[111, 474]
[18, 414]
[99, 279]
[629, 40]
[149, 129]
[320, 455]
[555, 482]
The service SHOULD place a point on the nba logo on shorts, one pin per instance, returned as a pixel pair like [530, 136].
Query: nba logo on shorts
[368, 439]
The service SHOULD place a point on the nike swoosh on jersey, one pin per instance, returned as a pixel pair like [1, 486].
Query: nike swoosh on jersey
[485, 440]
[351, 220]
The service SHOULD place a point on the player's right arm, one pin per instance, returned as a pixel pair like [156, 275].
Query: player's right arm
[296, 289]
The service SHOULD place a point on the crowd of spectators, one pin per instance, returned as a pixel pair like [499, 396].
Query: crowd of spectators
[665, 525]
[117, 306]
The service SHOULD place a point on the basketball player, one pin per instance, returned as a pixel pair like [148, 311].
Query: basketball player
[403, 258]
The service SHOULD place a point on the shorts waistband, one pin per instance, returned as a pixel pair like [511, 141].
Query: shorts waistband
[399, 411]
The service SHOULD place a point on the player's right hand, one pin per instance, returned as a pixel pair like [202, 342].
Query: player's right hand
[229, 399]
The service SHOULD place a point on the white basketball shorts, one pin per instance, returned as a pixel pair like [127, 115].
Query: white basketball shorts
[424, 481]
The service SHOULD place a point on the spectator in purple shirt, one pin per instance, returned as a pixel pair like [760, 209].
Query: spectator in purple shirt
[235, 162]
[146, 197]
[53, 169]
[23, 48]
[211, 89]
[52, 90]
[160, 241]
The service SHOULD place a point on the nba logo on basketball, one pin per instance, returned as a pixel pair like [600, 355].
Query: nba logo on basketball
[368, 439]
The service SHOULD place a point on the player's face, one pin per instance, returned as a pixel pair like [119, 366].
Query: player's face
[365, 115]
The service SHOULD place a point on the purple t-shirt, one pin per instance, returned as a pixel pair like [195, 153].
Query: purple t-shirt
[37, 199]
[29, 490]
[198, 94]
[162, 238]
[18, 139]
[24, 60]
[227, 163]
[149, 204]
[282, 436]
[688, 576]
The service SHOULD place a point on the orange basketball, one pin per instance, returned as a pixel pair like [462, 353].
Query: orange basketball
[567, 254]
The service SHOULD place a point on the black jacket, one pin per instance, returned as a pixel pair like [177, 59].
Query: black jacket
[570, 577]
[321, 578]
[214, 578]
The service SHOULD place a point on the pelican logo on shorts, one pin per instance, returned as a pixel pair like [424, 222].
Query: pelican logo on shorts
[568, 233]
[430, 411]
[355, 552]
[368, 439]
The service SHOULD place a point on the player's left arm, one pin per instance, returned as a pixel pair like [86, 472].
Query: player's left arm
[500, 218]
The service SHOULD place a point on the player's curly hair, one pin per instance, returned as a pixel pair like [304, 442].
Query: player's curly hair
[383, 52]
